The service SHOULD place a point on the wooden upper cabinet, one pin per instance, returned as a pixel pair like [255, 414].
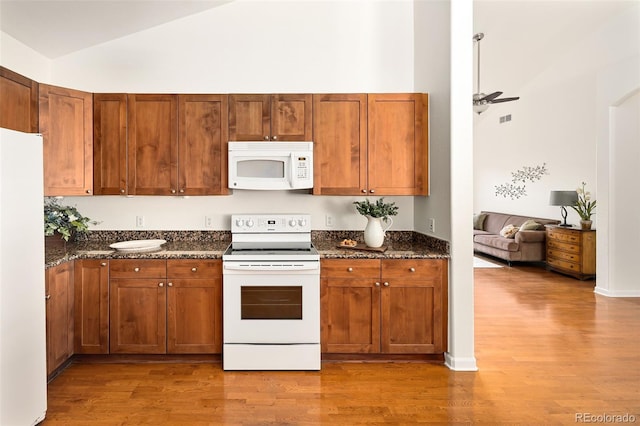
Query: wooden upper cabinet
[109, 143]
[66, 124]
[18, 102]
[397, 157]
[340, 144]
[286, 117]
[152, 130]
[202, 144]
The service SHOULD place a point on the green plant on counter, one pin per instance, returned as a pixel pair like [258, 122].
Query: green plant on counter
[377, 209]
[65, 220]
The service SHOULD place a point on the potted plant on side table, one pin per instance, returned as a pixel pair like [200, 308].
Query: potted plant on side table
[584, 207]
[375, 214]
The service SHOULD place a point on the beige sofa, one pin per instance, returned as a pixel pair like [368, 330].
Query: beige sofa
[525, 246]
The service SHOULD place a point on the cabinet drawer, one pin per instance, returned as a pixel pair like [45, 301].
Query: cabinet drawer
[137, 268]
[194, 268]
[563, 255]
[563, 264]
[565, 236]
[411, 268]
[354, 268]
[559, 245]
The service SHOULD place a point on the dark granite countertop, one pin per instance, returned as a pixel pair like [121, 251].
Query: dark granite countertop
[211, 245]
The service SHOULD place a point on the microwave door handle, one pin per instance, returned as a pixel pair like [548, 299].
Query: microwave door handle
[291, 170]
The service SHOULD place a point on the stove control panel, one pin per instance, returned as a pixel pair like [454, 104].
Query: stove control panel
[270, 223]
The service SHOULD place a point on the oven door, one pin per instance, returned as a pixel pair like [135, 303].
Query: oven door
[267, 306]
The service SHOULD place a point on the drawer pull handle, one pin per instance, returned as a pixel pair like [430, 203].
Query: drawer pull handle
[350, 269]
[412, 269]
[103, 264]
[136, 269]
[377, 284]
[194, 269]
[170, 284]
[161, 285]
[386, 284]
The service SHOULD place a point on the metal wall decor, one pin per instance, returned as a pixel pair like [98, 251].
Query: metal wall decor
[517, 188]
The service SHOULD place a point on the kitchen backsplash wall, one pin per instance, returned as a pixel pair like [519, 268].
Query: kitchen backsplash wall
[190, 213]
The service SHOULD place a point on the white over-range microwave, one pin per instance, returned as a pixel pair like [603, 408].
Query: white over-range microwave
[270, 165]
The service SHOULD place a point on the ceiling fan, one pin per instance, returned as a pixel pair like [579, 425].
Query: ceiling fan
[481, 101]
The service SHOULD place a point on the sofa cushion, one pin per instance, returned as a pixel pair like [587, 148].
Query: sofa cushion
[530, 225]
[478, 221]
[530, 236]
[509, 231]
[497, 241]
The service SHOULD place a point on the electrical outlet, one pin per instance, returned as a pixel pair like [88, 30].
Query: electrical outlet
[208, 222]
[432, 225]
[139, 221]
[328, 221]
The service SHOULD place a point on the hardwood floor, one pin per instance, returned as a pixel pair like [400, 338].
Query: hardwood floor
[549, 350]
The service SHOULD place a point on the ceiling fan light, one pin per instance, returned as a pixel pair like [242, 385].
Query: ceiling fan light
[480, 108]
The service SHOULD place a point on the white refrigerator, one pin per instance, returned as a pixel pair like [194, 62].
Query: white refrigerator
[23, 371]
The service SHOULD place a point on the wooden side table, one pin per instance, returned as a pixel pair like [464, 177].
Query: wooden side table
[572, 251]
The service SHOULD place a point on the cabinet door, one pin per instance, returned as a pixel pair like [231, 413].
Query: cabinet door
[340, 139]
[194, 315]
[350, 306]
[66, 125]
[153, 144]
[249, 117]
[291, 117]
[91, 303]
[202, 152]
[109, 143]
[138, 316]
[397, 145]
[59, 307]
[414, 306]
[18, 102]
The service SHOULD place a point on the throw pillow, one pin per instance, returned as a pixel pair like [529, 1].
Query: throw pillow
[530, 225]
[509, 231]
[478, 221]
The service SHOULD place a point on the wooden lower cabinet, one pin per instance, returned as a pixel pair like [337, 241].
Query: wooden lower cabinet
[194, 306]
[171, 306]
[384, 306]
[91, 306]
[59, 312]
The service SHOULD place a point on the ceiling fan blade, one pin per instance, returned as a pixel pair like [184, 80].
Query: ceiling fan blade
[491, 96]
[497, 101]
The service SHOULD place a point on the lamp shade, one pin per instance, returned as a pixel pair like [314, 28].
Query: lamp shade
[563, 198]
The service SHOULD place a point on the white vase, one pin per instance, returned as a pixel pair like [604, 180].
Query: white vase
[374, 233]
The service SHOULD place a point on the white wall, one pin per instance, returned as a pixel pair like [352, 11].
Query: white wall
[554, 122]
[21, 59]
[250, 47]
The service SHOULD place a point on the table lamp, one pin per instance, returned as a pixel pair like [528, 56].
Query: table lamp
[562, 199]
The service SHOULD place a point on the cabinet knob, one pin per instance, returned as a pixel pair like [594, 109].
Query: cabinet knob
[386, 284]
[103, 264]
[170, 284]
[173, 191]
[377, 284]
[266, 138]
[161, 285]
[350, 269]
[372, 191]
[194, 269]
[364, 191]
[412, 269]
[136, 269]
[182, 191]
[88, 191]
[122, 190]
[275, 138]
[47, 297]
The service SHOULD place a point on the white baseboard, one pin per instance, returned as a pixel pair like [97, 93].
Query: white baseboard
[459, 363]
[626, 293]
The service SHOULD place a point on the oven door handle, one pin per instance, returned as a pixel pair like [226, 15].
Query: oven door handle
[270, 267]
